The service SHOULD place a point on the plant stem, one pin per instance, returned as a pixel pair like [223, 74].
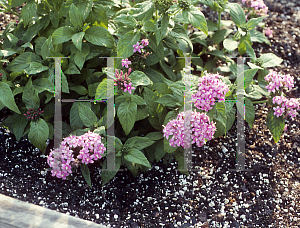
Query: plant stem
[258, 102]
[219, 20]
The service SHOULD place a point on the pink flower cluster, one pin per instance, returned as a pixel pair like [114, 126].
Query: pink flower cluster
[277, 80]
[62, 160]
[123, 83]
[289, 105]
[209, 88]
[138, 47]
[201, 130]
[258, 5]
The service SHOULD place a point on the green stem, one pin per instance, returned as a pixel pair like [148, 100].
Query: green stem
[258, 102]
[9, 10]
[219, 20]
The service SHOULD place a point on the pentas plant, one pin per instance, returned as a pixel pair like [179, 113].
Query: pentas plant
[201, 131]
[210, 87]
[86, 148]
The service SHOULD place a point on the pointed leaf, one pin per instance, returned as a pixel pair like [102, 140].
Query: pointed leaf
[196, 18]
[75, 16]
[28, 12]
[127, 115]
[99, 36]
[87, 116]
[136, 156]
[62, 34]
[77, 40]
[275, 125]
[7, 98]
[38, 134]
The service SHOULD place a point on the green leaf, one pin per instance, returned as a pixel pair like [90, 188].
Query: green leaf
[98, 14]
[149, 26]
[250, 50]
[7, 98]
[248, 77]
[154, 75]
[139, 78]
[77, 40]
[28, 12]
[253, 22]
[159, 150]
[87, 116]
[220, 35]
[43, 84]
[46, 48]
[249, 112]
[138, 100]
[62, 34]
[86, 174]
[230, 115]
[168, 100]
[38, 134]
[155, 135]
[19, 126]
[85, 8]
[54, 17]
[30, 96]
[102, 89]
[230, 44]
[99, 36]
[35, 68]
[196, 18]
[162, 32]
[136, 156]
[7, 52]
[106, 176]
[142, 10]
[75, 120]
[139, 143]
[237, 14]
[141, 114]
[23, 61]
[127, 115]
[275, 125]
[75, 16]
[79, 89]
[270, 60]
[72, 69]
[80, 56]
[14, 3]
[126, 42]
[257, 36]
[168, 70]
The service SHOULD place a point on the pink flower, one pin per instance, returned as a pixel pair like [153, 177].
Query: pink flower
[137, 47]
[201, 130]
[210, 87]
[278, 111]
[285, 128]
[125, 62]
[145, 42]
[269, 32]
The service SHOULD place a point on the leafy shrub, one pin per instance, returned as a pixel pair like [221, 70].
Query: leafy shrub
[87, 30]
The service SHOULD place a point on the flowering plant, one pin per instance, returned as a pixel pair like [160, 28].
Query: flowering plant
[75, 151]
[150, 39]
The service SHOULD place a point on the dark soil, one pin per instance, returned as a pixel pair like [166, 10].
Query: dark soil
[268, 196]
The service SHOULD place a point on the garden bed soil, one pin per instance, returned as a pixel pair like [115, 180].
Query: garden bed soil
[268, 196]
